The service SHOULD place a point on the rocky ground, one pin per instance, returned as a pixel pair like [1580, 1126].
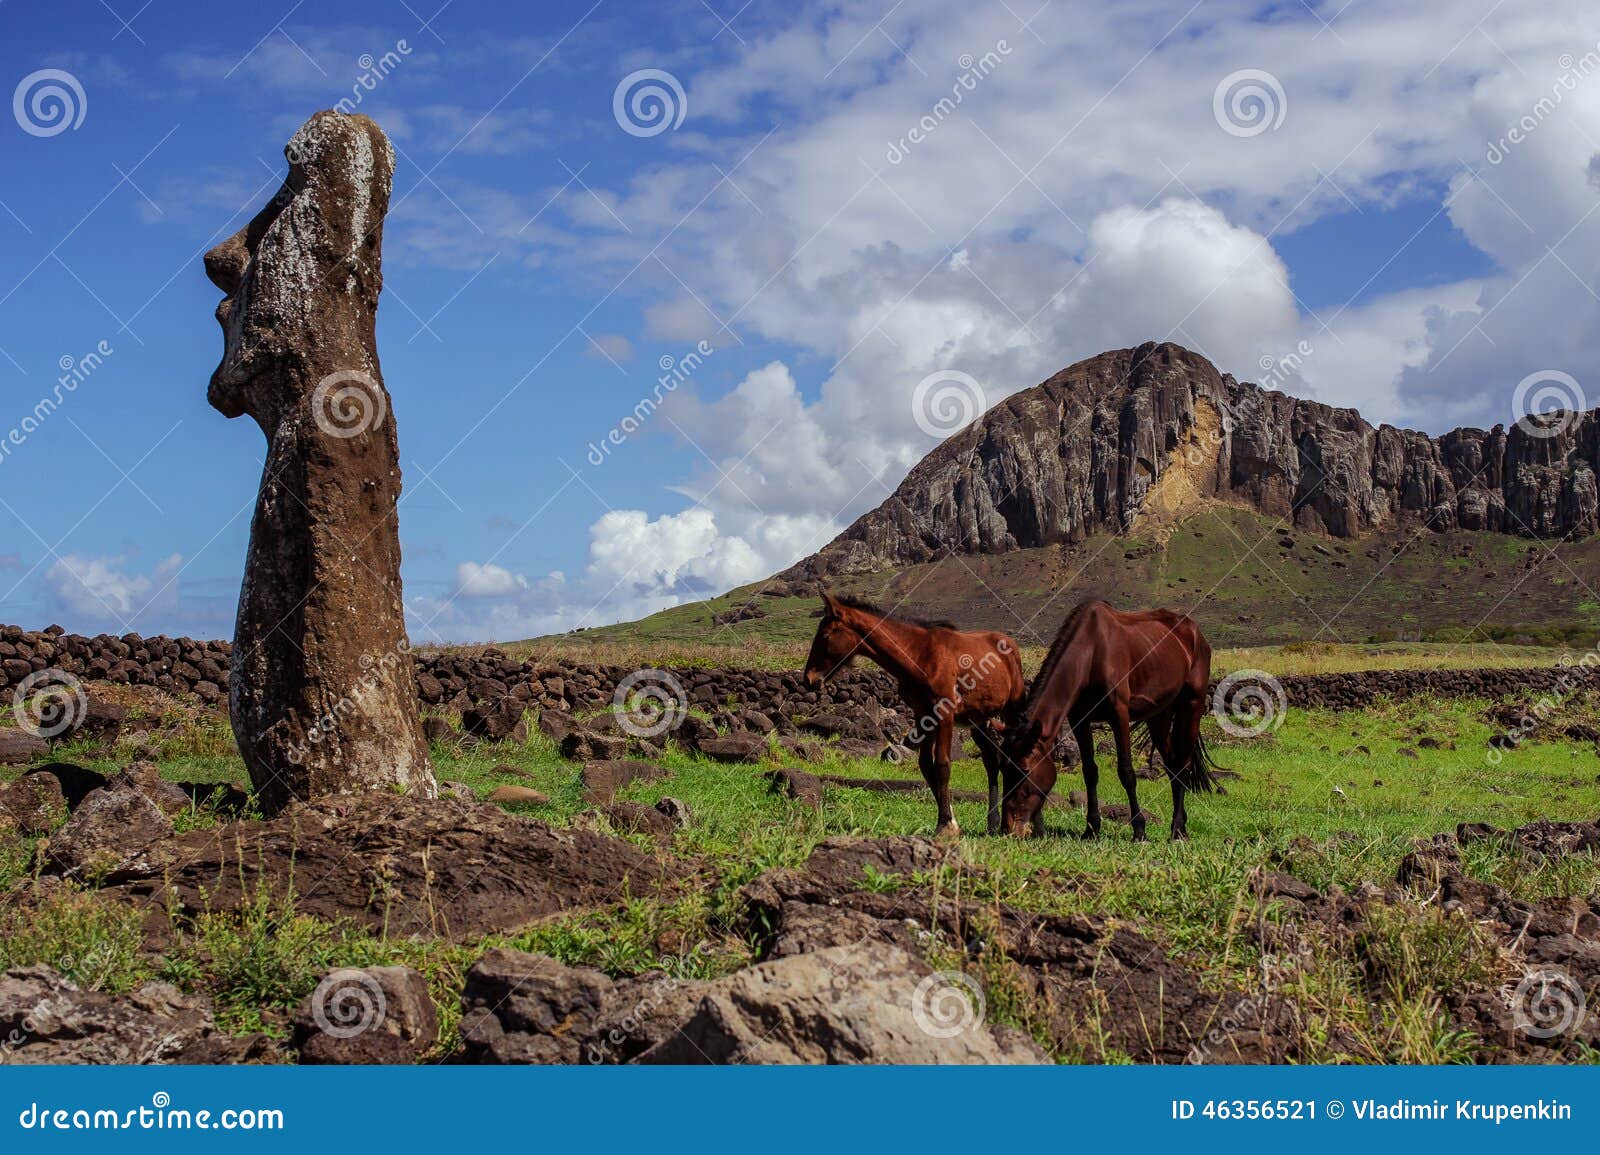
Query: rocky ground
[742, 889]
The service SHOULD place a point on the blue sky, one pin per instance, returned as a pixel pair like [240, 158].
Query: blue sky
[822, 218]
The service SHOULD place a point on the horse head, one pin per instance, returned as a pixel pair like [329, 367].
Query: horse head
[1028, 771]
[836, 643]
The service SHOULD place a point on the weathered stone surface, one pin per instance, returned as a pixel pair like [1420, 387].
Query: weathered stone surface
[529, 1008]
[800, 785]
[518, 796]
[866, 1003]
[1084, 452]
[144, 777]
[34, 802]
[734, 748]
[45, 1018]
[367, 1015]
[602, 779]
[113, 830]
[322, 694]
[499, 722]
[438, 868]
[77, 782]
[18, 747]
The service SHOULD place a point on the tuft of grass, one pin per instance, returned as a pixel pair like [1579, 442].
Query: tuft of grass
[95, 944]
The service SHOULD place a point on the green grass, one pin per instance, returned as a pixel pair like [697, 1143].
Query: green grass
[1335, 798]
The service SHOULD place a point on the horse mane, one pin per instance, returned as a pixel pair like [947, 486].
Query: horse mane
[856, 603]
[1052, 658]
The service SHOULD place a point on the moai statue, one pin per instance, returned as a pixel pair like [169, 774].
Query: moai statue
[322, 695]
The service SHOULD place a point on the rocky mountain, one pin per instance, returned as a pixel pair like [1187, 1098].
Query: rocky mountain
[1148, 432]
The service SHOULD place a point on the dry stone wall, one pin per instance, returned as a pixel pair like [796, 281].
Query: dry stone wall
[187, 666]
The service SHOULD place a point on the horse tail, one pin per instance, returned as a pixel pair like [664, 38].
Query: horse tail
[1197, 775]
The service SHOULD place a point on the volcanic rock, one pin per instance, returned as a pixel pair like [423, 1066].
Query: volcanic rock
[322, 694]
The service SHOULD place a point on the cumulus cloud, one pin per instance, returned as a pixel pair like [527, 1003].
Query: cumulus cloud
[108, 592]
[486, 581]
[1081, 195]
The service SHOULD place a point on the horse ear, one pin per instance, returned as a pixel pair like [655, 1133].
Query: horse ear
[828, 603]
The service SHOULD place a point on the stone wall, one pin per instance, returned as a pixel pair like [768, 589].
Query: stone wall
[186, 666]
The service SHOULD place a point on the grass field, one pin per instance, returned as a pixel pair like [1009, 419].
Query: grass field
[1335, 798]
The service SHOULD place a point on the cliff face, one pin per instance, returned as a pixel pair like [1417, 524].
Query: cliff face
[1136, 430]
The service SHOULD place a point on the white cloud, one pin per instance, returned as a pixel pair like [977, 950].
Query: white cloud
[104, 591]
[1081, 197]
[486, 581]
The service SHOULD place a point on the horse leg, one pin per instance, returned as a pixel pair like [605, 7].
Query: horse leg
[989, 750]
[1122, 731]
[1185, 748]
[940, 781]
[1084, 733]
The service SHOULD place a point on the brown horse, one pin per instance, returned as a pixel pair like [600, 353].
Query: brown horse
[946, 676]
[1119, 668]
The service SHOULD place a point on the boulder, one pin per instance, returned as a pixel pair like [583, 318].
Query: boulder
[800, 785]
[323, 692]
[144, 777]
[368, 1015]
[868, 1003]
[529, 1008]
[34, 802]
[500, 722]
[637, 818]
[518, 796]
[77, 782]
[114, 830]
[46, 1018]
[18, 747]
[604, 778]
[735, 748]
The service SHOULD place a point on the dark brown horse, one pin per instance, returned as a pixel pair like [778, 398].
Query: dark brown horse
[1123, 669]
[947, 677]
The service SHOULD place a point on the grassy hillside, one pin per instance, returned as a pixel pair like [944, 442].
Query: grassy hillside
[1388, 600]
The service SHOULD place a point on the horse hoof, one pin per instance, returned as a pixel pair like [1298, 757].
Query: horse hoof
[1090, 834]
[1140, 836]
[1180, 836]
[950, 833]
